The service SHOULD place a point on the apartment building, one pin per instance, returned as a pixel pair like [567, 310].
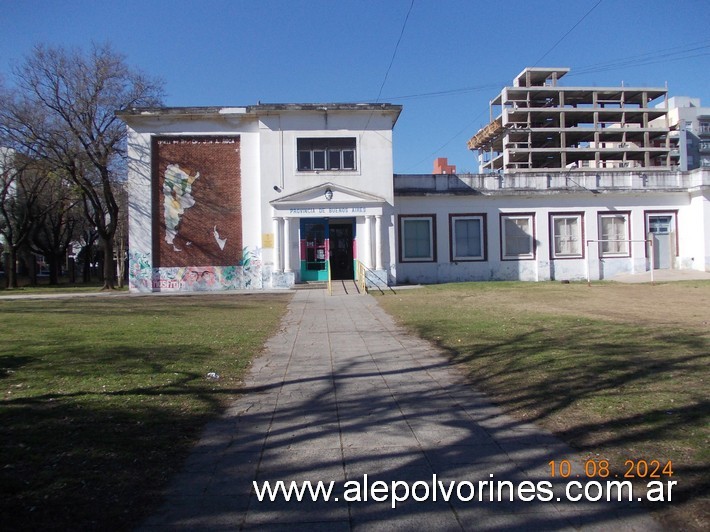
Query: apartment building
[689, 135]
[537, 123]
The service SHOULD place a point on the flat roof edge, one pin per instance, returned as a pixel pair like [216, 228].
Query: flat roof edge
[256, 109]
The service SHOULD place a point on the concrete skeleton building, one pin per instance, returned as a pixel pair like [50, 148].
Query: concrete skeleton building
[271, 195]
[541, 124]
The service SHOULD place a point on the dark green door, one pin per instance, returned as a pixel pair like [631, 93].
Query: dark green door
[341, 251]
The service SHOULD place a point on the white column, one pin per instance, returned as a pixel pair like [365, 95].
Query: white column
[277, 244]
[378, 242]
[367, 244]
[287, 245]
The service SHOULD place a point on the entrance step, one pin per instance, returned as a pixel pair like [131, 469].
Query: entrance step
[311, 285]
[340, 287]
[345, 288]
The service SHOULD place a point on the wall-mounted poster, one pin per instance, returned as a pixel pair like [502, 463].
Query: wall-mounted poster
[197, 218]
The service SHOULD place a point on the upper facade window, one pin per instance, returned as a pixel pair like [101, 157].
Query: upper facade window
[333, 154]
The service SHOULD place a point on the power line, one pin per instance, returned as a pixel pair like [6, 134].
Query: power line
[428, 157]
[566, 34]
[646, 59]
[678, 53]
[394, 54]
[448, 92]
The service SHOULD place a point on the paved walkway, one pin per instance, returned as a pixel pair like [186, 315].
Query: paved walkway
[341, 393]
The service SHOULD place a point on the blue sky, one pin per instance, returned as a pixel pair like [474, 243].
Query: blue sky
[453, 56]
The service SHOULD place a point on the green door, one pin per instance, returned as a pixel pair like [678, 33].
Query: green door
[314, 249]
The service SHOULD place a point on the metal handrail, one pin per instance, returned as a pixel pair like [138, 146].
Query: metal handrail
[648, 241]
[361, 281]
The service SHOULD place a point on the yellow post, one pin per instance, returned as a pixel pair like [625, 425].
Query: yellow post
[361, 282]
[330, 284]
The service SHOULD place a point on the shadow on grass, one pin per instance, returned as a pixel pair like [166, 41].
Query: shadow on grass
[645, 385]
[95, 459]
[353, 418]
[11, 363]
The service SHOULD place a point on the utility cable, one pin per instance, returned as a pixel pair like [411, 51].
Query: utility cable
[566, 34]
[394, 54]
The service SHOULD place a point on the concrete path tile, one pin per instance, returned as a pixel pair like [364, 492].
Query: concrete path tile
[342, 395]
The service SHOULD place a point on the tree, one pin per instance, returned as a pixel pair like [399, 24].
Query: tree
[60, 225]
[62, 109]
[22, 185]
[121, 238]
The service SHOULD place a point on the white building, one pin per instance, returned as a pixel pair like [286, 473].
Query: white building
[268, 196]
[689, 136]
[262, 196]
[547, 226]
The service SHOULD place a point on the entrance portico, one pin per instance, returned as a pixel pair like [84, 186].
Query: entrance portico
[327, 226]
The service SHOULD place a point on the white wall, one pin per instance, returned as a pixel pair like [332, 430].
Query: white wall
[543, 267]
[698, 217]
[141, 130]
[278, 134]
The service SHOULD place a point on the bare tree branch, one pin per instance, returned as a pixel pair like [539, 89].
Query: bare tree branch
[63, 110]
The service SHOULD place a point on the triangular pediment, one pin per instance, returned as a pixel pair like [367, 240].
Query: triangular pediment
[316, 196]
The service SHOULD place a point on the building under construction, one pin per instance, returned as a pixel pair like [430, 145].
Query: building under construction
[538, 124]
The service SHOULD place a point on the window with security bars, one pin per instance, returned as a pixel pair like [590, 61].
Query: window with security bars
[331, 154]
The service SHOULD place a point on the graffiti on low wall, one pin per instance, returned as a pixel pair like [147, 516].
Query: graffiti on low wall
[246, 275]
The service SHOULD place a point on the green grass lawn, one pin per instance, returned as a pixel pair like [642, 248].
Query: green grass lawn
[103, 398]
[619, 371]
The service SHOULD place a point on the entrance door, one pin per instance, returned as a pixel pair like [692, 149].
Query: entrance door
[314, 249]
[660, 228]
[341, 250]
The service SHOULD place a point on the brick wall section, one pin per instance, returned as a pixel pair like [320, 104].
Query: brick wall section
[217, 195]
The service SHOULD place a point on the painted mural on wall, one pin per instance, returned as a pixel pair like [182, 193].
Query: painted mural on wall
[177, 192]
[197, 202]
[247, 274]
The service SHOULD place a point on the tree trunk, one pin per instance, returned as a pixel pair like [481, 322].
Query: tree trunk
[108, 264]
[11, 267]
[86, 260]
[72, 270]
[121, 273]
[53, 270]
[120, 263]
[31, 262]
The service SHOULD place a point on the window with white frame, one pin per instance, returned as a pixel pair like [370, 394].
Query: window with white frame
[518, 236]
[614, 234]
[417, 238]
[567, 238]
[467, 233]
[333, 154]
